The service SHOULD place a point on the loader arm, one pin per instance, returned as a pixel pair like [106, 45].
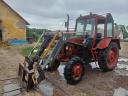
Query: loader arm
[54, 53]
[39, 62]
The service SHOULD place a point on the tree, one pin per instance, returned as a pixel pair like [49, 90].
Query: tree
[127, 28]
[124, 31]
[35, 33]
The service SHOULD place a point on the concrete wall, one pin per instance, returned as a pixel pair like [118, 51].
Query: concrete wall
[12, 25]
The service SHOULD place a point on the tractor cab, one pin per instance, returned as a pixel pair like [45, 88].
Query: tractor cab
[93, 28]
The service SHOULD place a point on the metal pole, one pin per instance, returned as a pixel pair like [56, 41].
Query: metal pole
[68, 23]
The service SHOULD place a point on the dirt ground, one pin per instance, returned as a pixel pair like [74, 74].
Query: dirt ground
[94, 82]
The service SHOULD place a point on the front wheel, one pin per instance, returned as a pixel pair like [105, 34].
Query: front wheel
[108, 57]
[74, 70]
[54, 66]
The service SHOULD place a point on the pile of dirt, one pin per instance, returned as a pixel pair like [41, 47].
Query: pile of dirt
[3, 44]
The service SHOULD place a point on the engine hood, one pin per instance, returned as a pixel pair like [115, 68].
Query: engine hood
[75, 40]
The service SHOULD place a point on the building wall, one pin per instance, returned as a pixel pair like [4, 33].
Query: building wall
[12, 25]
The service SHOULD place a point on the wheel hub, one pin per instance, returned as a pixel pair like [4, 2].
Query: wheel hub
[112, 56]
[77, 70]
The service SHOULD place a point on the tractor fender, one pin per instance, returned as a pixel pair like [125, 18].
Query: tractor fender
[104, 43]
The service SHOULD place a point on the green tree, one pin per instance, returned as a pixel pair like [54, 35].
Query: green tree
[35, 33]
[124, 31]
[127, 28]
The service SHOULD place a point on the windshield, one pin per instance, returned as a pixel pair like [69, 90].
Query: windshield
[85, 27]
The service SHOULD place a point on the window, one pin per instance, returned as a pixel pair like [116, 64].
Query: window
[100, 29]
[89, 27]
[85, 26]
[80, 28]
[109, 29]
[0, 24]
[0, 21]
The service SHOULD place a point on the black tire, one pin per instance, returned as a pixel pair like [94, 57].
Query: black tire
[69, 68]
[104, 61]
[54, 66]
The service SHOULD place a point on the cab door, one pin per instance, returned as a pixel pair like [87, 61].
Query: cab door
[110, 25]
[100, 30]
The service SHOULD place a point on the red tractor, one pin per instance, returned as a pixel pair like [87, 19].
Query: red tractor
[94, 41]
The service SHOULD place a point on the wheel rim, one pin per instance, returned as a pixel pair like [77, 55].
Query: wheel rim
[112, 57]
[77, 71]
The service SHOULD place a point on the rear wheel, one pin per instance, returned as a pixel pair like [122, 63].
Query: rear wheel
[108, 57]
[74, 71]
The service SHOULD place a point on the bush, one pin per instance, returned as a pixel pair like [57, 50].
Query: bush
[26, 50]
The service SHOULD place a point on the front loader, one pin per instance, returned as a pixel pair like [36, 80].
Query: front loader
[31, 72]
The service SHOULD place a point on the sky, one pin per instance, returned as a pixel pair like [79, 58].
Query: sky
[51, 14]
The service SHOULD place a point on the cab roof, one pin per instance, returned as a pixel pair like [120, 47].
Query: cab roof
[108, 16]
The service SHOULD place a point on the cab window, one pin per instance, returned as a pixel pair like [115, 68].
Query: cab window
[101, 27]
[109, 29]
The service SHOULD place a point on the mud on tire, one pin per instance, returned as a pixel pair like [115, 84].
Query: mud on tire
[70, 67]
[108, 57]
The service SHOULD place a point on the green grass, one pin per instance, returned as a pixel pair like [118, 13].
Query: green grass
[26, 50]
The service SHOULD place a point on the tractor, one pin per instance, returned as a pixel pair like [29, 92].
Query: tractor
[92, 41]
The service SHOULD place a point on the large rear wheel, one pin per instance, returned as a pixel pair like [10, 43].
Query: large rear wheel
[108, 57]
[74, 70]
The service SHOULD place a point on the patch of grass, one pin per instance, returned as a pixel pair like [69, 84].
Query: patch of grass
[25, 51]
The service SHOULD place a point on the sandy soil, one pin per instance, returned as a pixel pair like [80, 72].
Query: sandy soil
[9, 60]
[94, 83]
[124, 49]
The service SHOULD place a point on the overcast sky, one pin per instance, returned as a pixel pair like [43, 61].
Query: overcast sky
[52, 13]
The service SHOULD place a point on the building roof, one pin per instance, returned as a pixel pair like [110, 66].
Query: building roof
[15, 12]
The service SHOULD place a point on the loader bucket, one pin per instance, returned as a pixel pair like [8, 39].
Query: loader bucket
[25, 76]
